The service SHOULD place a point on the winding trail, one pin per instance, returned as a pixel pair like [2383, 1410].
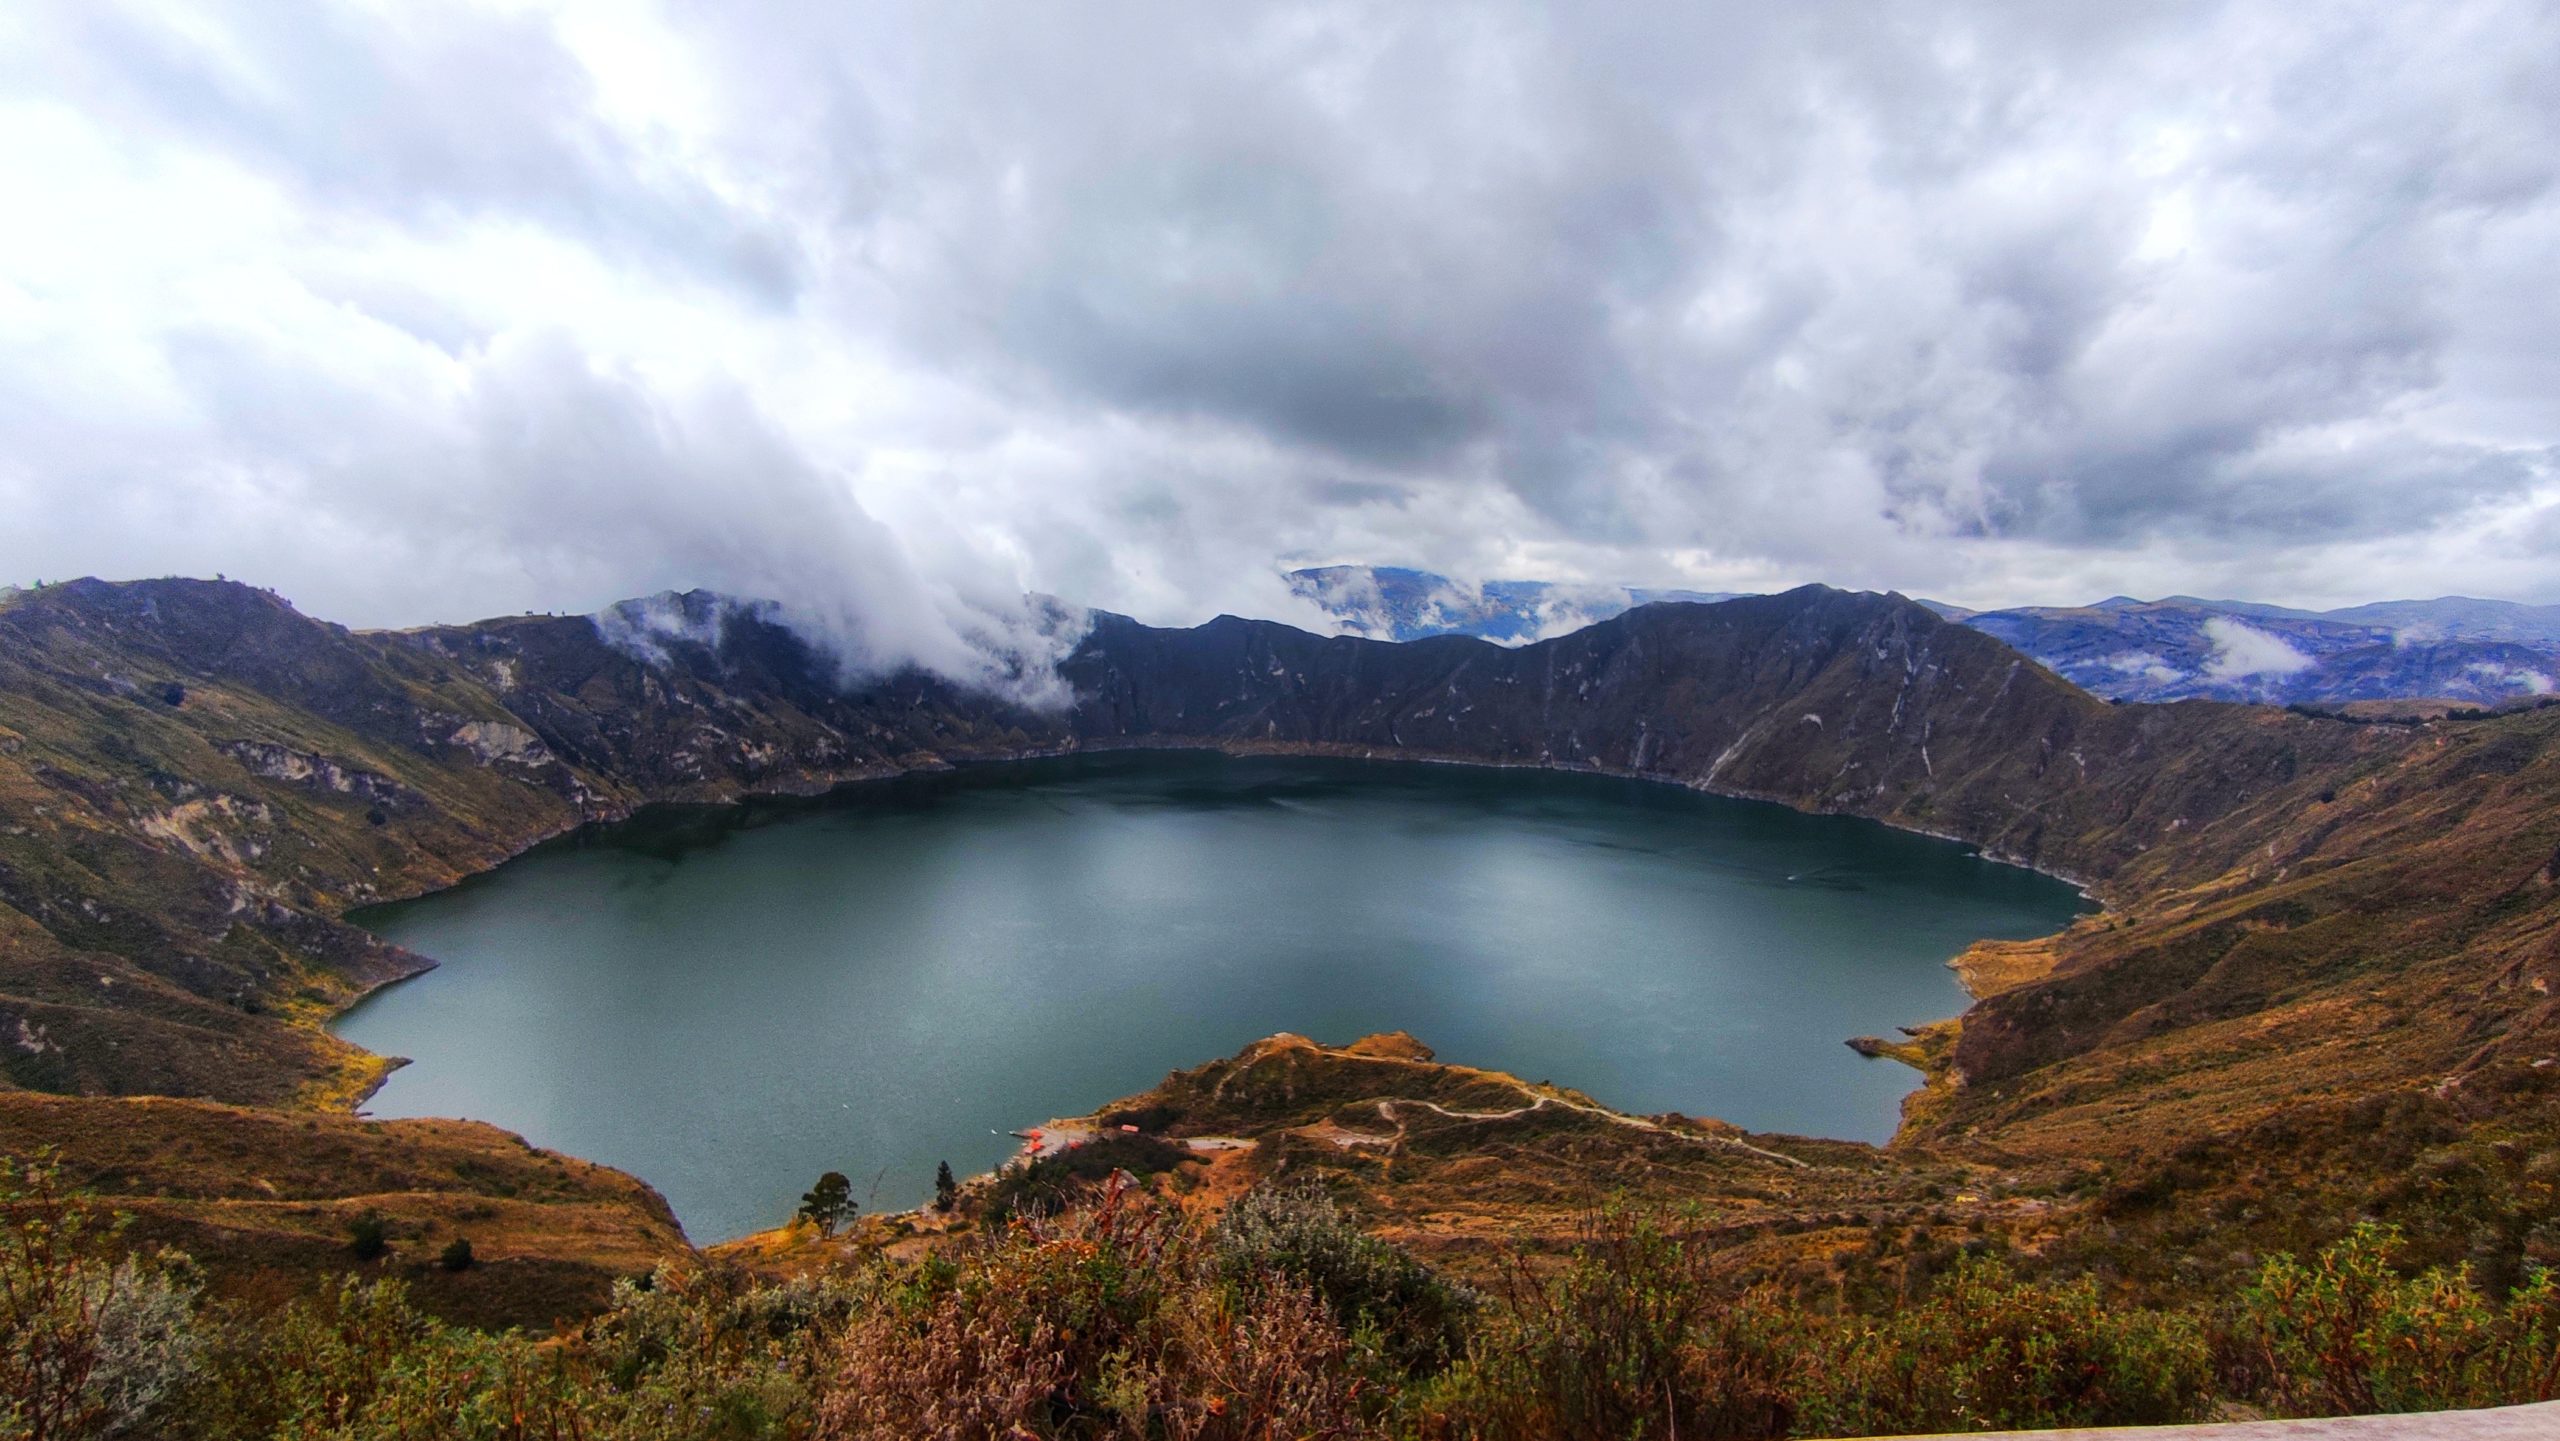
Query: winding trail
[1387, 1111]
[1287, 1042]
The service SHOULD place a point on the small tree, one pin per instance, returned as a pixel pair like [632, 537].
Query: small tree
[48, 1315]
[367, 1236]
[87, 1347]
[457, 1256]
[946, 1191]
[829, 1204]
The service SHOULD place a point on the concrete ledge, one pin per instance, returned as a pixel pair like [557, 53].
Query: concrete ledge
[2504, 1423]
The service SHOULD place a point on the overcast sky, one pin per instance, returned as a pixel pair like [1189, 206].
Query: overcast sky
[425, 311]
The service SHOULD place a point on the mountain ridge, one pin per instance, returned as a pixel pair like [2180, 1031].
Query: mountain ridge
[2452, 649]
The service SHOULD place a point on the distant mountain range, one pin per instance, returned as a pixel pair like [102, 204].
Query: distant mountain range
[2476, 652]
[1387, 602]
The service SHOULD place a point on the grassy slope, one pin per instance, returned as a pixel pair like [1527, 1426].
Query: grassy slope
[2402, 933]
[196, 854]
[264, 1199]
[1470, 1167]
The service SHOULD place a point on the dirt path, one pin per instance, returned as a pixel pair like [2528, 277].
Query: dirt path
[1387, 1110]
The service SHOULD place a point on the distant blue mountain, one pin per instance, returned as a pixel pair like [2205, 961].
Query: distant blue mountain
[2455, 617]
[2478, 652]
[1387, 602]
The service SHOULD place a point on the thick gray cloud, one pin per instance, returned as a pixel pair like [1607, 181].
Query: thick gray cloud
[892, 311]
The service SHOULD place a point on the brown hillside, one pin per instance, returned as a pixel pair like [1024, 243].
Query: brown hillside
[265, 1198]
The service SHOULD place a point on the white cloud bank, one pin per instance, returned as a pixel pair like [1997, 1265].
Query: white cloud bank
[2512, 677]
[896, 312]
[2150, 665]
[2240, 651]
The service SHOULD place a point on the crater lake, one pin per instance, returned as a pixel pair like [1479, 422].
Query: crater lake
[726, 1001]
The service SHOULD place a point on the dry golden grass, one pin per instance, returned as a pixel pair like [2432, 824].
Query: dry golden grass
[265, 1199]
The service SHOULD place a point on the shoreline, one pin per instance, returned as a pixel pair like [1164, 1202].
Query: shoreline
[799, 790]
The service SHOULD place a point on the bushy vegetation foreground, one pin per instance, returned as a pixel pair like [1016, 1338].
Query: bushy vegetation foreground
[1122, 1316]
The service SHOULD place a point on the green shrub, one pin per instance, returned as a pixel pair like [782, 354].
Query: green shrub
[1628, 1341]
[1986, 1351]
[1105, 1322]
[718, 1350]
[2348, 1334]
[1123, 1317]
[1410, 1316]
[88, 1345]
[1049, 1185]
[285, 1366]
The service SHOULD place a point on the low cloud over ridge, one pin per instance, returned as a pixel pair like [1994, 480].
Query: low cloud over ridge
[2241, 650]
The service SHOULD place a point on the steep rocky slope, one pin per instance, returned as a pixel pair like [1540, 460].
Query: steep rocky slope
[196, 783]
[2401, 924]
[1825, 700]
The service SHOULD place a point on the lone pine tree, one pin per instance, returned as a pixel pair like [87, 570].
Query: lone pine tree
[829, 1204]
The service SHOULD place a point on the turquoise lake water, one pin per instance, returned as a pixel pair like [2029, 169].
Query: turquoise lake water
[727, 1001]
